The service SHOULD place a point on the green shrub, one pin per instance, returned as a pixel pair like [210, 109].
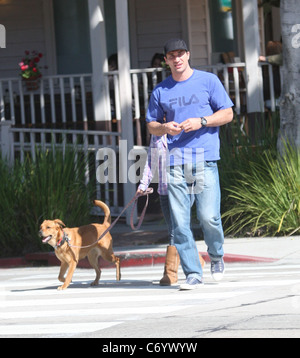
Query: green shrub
[266, 198]
[50, 187]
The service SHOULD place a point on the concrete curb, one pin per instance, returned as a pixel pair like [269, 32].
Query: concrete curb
[128, 259]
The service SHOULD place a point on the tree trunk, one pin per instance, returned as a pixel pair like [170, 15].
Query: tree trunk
[290, 96]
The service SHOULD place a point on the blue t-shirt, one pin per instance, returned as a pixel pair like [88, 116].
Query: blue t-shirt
[200, 95]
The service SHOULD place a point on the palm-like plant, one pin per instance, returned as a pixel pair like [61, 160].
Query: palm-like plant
[266, 199]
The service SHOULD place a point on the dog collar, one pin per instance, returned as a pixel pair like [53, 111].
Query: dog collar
[64, 239]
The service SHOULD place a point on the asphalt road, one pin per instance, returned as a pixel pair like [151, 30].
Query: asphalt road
[253, 300]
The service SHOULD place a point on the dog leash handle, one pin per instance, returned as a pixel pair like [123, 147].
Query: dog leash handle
[145, 193]
[133, 200]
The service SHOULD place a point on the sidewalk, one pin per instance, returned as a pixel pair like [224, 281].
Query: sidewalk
[147, 246]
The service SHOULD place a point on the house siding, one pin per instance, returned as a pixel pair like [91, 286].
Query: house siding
[199, 36]
[152, 24]
[24, 23]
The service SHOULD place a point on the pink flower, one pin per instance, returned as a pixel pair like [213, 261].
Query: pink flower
[29, 64]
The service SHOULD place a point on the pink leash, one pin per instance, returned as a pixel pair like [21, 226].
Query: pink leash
[133, 200]
[146, 193]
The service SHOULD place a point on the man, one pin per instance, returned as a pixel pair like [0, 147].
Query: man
[194, 104]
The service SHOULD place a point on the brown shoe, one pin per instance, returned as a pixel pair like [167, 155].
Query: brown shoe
[171, 267]
[202, 261]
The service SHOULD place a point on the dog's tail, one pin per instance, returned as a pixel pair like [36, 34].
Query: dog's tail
[105, 208]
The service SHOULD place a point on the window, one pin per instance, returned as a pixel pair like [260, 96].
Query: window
[72, 36]
[223, 26]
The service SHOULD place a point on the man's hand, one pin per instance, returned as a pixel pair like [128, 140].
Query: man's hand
[160, 129]
[139, 192]
[191, 124]
[173, 128]
[219, 118]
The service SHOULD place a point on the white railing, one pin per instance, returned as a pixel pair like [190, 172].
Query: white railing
[18, 142]
[233, 77]
[66, 101]
[272, 103]
[143, 82]
[57, 100]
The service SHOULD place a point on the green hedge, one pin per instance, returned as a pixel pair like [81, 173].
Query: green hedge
[50, 187]
[260, 188]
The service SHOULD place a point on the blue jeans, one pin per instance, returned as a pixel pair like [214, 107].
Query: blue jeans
[165, 208]
[205, 189]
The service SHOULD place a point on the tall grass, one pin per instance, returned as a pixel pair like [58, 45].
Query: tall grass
[50, 187]
[261, 189]
[267, 198]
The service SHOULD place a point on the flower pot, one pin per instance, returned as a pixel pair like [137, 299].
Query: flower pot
[32, 84]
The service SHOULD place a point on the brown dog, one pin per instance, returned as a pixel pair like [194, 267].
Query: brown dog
[70, 245]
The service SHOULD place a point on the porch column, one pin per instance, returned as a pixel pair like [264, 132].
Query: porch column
[99, 64]
[125, 98]
[255, 102]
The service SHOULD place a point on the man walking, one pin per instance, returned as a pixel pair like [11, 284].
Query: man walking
[194, 104]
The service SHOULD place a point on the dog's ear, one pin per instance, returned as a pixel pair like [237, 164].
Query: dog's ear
[59, 222]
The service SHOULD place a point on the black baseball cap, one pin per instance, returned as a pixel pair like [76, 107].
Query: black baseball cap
[175, 44]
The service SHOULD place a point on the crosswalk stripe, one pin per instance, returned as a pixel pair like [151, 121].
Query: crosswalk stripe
[90, 273]
[108, 290]
[47, 283]
[154, 270]
[267, 267]
[178, 296]
[123, 311]
[259, 274]
[62, 328]
[152, 273]
[88, 290]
